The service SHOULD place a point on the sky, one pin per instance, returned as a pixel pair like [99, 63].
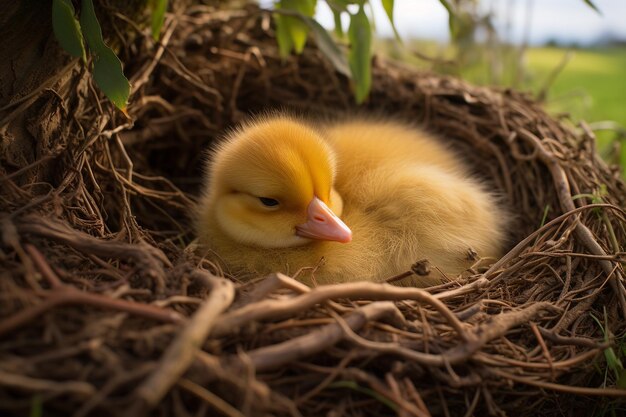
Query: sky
[563, 20]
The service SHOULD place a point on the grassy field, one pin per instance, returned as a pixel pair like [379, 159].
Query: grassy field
[591, 85]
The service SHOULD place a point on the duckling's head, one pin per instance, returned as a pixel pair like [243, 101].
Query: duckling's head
[271, 186]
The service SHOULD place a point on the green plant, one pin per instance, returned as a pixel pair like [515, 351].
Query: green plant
[597, 198]
[613, 362]
[36, 406]
[294, 21]
[73, 33]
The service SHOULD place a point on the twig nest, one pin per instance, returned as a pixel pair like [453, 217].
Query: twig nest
[518, 336]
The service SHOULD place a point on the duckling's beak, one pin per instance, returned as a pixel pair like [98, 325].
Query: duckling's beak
[323, 224]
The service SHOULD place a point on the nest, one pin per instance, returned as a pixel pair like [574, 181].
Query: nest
[105, 310]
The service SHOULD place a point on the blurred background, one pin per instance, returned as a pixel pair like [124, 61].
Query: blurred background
[568, 55]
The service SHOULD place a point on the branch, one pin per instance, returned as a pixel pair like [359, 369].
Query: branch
[209, 398]
[465, 289]
[142, 76]
[33, 384]
[180, 353]
[273, 309]
[275, 356]
[148, 258]
[63, 294]
[519, 248]
[484, 333]
[71, 296]
[561, 184]
[270, 284]
[603, 392]
[208, 368]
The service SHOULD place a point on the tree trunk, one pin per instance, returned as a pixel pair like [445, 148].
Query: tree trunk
[39, 86]
[29, 57]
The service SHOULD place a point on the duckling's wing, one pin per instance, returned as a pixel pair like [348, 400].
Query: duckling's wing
[425, 212]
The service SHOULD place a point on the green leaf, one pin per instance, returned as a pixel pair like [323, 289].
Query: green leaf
[388, 6]
[107, 71]
[283, 37]
[621, 380]
[324, 41]
[298, 32]
[297, 29]
[291, 30]
[91, 26]
[449, 7]
[599, 323]
[452, 19]
[158, 17]
[340, 5]
[329, 47]
[36, 406]
[338, 25]
[67, 29]
[612, 360]
[308, 7]
[593, 6]
[359, 58]
[546, 210]
[108, 74]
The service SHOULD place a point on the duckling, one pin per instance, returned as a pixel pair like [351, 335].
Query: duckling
[357, 199]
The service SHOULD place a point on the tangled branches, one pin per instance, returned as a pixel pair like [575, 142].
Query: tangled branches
[107, 310]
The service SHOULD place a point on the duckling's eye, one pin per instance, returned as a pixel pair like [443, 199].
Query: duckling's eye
[268, 202]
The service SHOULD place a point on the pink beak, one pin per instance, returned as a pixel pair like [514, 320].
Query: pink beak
[323, 224]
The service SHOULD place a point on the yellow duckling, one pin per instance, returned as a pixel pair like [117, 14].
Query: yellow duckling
[368, 197]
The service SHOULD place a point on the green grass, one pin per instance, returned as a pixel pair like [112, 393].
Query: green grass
[590, 87]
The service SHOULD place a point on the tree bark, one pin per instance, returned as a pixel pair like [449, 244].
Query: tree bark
[29, 56]
[38, 92]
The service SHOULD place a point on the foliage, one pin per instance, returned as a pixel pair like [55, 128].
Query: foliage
[294, 21]
[72, 34]
[360, 37]
[614, 364]
[36, 406]
[67, 29]
[291, 31]
[107, 68]
[590, 88]
[586, 84]
[158, 16]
